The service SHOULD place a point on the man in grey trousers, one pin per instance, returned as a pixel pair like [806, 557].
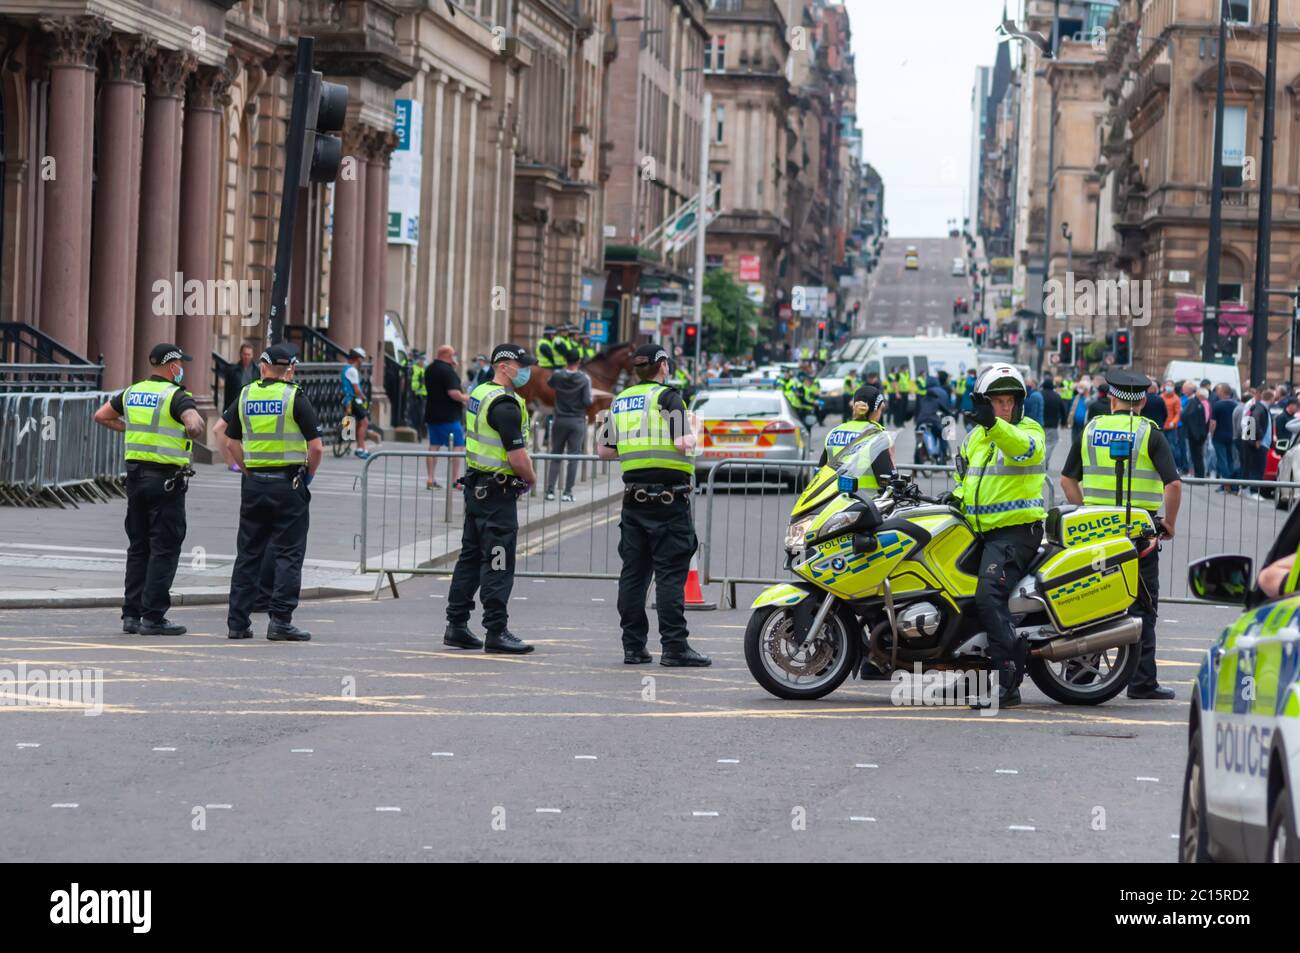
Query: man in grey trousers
[569, 428]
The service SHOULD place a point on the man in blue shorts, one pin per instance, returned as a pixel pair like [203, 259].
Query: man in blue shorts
[442, 410]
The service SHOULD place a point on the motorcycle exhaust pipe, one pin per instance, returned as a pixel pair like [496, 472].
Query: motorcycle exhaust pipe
[1122, 633]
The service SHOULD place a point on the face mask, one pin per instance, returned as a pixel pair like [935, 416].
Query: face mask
[180, 375]
[520, 379]
[1169, 389]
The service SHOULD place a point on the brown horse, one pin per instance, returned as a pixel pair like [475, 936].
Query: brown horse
[604, 369]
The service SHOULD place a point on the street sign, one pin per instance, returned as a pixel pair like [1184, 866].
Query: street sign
[750, 269]
[598, 329]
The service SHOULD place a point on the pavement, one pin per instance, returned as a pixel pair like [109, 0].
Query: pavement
[374, 742]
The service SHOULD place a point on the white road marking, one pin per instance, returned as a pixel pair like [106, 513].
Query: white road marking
[704, 813]
[66, 805]
[866, 766]
[164, 749]
[443, 754]
[871, 819]
[728, 761]
[1006, 771]
[521, 598]
[396, 810]
[301, 750]
[548, 810]
[1021, 827]
[436, 595]
[1155, 780]
[594, 599]
[29, 744]
[584, 757]
[539, 581]
[219, 807]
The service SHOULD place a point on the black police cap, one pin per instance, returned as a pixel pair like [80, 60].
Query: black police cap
[1127, 385]
[649, 354]
[279, 355]
[512, 352]
[166, 353]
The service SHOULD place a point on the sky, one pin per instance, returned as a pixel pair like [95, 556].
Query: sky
[915, 75]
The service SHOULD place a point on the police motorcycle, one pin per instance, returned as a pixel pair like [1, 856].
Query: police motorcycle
[886, 584]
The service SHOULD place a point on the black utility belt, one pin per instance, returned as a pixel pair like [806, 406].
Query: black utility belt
[656, 492]
[483, 483]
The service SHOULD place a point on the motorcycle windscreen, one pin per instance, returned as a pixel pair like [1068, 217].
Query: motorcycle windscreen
[848, 462]
[1085, 584]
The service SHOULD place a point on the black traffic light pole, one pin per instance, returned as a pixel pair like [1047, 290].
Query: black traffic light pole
[310, 156]
[1210, 325]
[1263, 238]
[289, 192]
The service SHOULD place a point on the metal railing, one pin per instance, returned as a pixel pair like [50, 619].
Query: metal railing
[52, 453]
[407, 529]
[31, 360]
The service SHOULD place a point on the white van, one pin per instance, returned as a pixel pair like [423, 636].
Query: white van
[920, 356]
[1198, 371]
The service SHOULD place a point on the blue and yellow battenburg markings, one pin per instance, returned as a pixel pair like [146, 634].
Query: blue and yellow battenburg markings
[892, 543]
[1075, 586]
[1272, 669]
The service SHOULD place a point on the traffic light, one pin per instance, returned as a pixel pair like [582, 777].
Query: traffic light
[1065, 349]
[325, 110]
[821, 330]
[966, 330]
[1122, 348]
[689, 333]
[981, 332]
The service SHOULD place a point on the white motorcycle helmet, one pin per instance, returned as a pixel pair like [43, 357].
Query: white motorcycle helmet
[1002, 379]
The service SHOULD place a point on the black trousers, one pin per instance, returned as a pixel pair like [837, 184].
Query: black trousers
[274, 517]
[155, 529]
[1004, 559]
[655, 540]
[487, 560]
[1145, 608]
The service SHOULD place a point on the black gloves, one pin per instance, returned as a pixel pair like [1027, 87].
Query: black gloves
[983, 414]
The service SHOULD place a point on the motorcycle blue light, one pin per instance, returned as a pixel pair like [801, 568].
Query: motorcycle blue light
[848, 484]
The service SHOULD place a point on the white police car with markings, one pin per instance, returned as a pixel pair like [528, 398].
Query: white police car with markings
[1240, 795]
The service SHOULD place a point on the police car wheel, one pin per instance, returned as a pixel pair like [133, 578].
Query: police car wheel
[1193, 829]
[1283, 845]
[812, 670]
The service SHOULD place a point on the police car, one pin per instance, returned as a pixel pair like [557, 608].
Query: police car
[741, 421]
[1240, 796]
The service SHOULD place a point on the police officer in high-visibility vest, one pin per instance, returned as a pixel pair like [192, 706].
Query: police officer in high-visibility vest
[903, 384]
[863, 434]
[271, 432]
[1142, 475]
[499, 472]
[419, 391]
[1001, 468]
[160, 419]
[648, 430]
[546, 352]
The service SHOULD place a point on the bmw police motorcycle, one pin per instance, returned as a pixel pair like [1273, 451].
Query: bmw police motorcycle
[888, 583]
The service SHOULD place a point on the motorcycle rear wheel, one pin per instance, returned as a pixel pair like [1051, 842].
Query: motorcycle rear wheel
[776, 664]
[1087, 680]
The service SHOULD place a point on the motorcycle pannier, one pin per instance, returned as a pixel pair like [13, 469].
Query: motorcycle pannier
[1085, 584]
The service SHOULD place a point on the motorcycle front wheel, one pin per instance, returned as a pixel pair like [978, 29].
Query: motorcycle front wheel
[812, 670]
[1087, 679]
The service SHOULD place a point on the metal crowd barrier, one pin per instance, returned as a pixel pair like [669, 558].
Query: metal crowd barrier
[52, 453]
[408, 530]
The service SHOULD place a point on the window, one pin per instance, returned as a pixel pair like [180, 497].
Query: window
[1234, 145]
[1238, 11]
[720, 114]
[715, 54]
[715, 200]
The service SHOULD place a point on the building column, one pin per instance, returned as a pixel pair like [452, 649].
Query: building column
[454, 194]
[117, 207]
[474, 101]
[65, 176]
[197, 252]
[160, 186]
[346, 243]
[374, 235]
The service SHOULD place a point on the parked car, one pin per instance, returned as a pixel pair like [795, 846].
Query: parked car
[1240, 800]
[750, 423]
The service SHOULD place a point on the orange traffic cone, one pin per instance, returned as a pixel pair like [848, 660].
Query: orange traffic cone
[694, 594]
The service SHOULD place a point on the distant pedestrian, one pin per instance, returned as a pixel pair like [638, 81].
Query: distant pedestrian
[239, 376]
[444, 403]
[1034, 402]
[1194, 422]
[1221, 412]
[355, 404]
[1054, 418]
[569, 429]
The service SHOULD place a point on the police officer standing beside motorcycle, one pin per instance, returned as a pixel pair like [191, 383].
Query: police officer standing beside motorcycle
[1142, 474]
[160, 419]
[499, 472]
[1001, 468]
[864, 434]
[647, 430]
[273, 437]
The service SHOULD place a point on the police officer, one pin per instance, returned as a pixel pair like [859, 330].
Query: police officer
[160, 419]
[273, 436]
[647, 430]
[499, 471]
[419, 391]
[1146, 478]
[1001, 468]
[864, 434]
[546, 353]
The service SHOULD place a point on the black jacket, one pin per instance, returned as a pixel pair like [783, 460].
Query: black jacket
[572, 393]
[1055, 410]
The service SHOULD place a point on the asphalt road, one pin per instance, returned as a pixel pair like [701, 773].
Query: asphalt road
[906, 302]
[372, 742]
